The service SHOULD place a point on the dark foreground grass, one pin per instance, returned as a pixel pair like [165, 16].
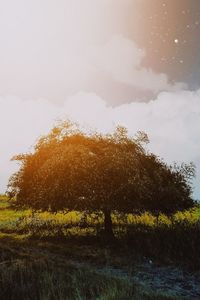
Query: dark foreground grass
[42, 279]
[177, 243]
[31, 271]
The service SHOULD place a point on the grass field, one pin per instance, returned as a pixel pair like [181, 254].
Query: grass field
[64, 256]
[10, 218]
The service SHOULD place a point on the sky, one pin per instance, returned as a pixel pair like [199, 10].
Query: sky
[102, 63]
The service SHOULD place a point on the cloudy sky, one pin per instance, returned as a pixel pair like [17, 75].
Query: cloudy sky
[102, 63]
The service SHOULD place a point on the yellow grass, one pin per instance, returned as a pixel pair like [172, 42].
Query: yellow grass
[9, 215]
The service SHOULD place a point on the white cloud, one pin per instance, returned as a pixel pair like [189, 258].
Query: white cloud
[122, 58]
[44, 44]
[172, 121]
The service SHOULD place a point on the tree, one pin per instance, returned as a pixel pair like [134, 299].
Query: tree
[167, 188]
[72, 170]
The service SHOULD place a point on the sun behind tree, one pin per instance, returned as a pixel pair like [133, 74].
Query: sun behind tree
[73, 170]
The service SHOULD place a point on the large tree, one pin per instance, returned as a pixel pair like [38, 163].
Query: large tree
[72, 170]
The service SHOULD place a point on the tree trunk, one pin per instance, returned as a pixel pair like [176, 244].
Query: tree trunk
[108, 223]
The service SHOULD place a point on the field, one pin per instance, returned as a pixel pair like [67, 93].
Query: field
[65, 256]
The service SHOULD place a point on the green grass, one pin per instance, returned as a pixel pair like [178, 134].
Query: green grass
[9, 214]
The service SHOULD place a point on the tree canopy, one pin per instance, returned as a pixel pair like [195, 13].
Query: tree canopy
[73, 170]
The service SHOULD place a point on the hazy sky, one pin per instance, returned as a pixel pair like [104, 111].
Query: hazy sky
[47, 45]
[101, 62]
